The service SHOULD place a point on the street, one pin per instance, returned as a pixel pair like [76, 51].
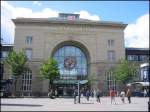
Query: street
[67, 104]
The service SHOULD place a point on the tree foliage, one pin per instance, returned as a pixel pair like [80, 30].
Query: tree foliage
[17, 63]
[125, 71]
[49, 70]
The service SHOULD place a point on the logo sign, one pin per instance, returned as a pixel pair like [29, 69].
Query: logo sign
[70, 62]
[72, 18]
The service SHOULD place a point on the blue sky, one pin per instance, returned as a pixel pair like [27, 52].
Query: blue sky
[134, 13]
[124, 11]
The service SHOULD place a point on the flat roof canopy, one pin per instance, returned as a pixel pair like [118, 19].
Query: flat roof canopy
[141, 83]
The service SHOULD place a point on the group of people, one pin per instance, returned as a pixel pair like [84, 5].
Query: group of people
[98, 94]
[87, 94]
[122, 95]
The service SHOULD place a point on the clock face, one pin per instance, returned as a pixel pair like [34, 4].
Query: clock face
[70, 62]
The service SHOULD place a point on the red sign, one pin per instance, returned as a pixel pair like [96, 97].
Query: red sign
[71, 17]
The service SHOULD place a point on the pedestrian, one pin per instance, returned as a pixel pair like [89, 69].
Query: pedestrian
[50, 94]
[56, 93]
[122, 95]
[98, 94]
[129, 95]
[87, 95]
[75, 93]
[112, 96]
[145, 93]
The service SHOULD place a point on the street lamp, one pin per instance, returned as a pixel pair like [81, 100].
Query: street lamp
[80, 82]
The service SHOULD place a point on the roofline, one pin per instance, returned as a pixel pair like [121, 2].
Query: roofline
[133, 48]
[7, 44]
[64, 21]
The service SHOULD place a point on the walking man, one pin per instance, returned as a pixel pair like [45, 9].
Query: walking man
[75, 93]
[98, 93]
[87, 95]
[129, 95]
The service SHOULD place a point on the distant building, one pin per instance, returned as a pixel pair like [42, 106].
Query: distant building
[141, 57]
[5, 49]
[145, 75]
[137, 54]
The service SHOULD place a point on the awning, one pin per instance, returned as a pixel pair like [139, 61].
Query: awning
[70, 81]
[141, 83]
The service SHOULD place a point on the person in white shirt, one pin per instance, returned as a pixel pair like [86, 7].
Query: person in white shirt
[122, 94]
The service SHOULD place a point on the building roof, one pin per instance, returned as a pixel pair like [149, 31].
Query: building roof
[131, 48]
[8, 45]
[66, 21]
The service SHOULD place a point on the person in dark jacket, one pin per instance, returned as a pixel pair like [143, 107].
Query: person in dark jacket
[98, 94]
[75, 93]
[87, 95]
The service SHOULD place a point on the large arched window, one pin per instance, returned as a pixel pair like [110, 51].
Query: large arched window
[72, 62]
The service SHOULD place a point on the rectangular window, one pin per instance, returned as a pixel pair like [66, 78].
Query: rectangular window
[132, 57]
[110, 42]
[111, 55]
[111, 82]
[28, 53]
[4, 54]
[143, 58]
[28, 40]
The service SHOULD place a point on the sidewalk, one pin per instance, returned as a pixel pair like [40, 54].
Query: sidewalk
[67, 104]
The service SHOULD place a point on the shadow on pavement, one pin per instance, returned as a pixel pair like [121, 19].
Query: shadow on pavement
[87, 103]
[31, 105]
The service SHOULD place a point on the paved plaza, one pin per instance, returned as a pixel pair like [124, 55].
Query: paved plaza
[67, 104]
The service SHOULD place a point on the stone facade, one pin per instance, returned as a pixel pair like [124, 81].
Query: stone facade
[91, 36]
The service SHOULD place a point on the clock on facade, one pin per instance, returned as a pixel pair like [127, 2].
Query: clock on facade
[70, 62]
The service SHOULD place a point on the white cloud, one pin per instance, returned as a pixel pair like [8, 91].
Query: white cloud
[86, 15]
[37, 3]
[10, 12]
[137, 34]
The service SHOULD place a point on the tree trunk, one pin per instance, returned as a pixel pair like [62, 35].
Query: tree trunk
[51, 89]
[14, 86]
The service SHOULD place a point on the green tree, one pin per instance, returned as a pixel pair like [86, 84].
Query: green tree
[125, 71]
[49, 70]
[17, 64]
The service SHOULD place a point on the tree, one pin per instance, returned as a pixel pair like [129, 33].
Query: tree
[49, 70]
[125, 71]
[17, 63]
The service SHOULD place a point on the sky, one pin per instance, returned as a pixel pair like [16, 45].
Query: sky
[133, 13]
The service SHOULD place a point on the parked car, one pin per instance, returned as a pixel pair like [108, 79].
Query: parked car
[5, 88]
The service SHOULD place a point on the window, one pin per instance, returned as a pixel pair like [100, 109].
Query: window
[111, 55]
[72, 62]
[143, 58]
[132, 57]
[4, 54]
[110, 42]
[28, 53]
[111, 82]
[27, 83]
[28, 40]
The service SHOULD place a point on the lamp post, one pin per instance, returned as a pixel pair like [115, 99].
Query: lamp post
[78, 92]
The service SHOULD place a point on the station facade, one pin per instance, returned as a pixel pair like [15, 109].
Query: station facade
[84, 50]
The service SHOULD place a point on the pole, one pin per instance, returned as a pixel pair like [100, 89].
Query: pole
[78, 92]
